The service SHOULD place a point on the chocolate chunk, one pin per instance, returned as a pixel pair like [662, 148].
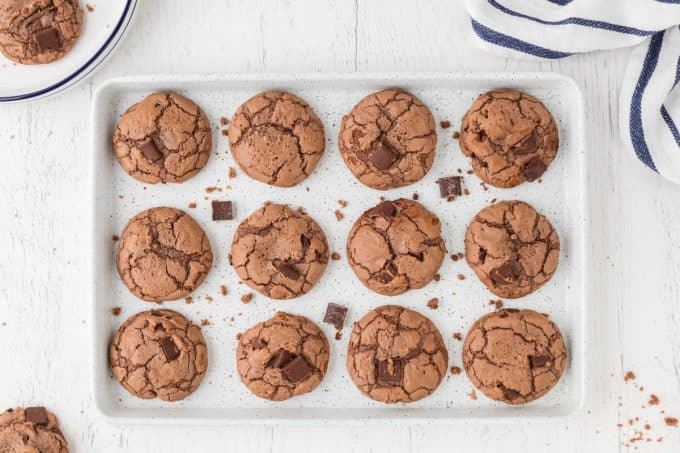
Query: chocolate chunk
[335, 315]
[297, 369]
[169, 349]
[288, 270]
[385, 209]
[506, 273]
[36, 415]
[151, 151]
[383, 156]
[445, 124]
[450, 186]
[280, 358]
[482, 255]
[390, 372]
[528, 145]
[222, 210]
[257, 343]
[510, 394]
[47, 39]
[533, 169]
[538, 361]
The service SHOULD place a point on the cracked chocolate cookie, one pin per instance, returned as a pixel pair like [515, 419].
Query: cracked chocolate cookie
[163, 254]
[164, 138]
[514, 356]
[513, 249]
[510, 136]
[282, 357]
[159, 354]
[33, 429]
[279, 252]
[276, 138]
[38, 31]
[396, 355]
[388, 140]
[396, 246]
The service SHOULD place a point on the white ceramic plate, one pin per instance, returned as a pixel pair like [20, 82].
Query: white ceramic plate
[103, 29]
[222, 398]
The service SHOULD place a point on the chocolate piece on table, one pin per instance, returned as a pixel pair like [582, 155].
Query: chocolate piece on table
[450, 186]
[222, 210]
[335, 315]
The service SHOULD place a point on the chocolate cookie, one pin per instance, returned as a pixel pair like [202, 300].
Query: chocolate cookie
[159, 353]
[279, 252]
[388, 140]
[163, 254]
[282, 357]
[33, 429]
[514, 356]
[164, 138]
[396, 246]
[396, 355]
[510, 136]
[38, 31]
[513, 249]
[276, 138]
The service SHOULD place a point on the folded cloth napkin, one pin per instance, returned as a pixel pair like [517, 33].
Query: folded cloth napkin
[649, 106]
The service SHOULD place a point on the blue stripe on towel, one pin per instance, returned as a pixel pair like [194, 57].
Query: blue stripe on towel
[560, 2]
[576, 21]
[675, 2]
[671, 125]
[509, 42]
[637, 134]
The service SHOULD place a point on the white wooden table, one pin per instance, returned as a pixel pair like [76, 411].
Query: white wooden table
[634, 217]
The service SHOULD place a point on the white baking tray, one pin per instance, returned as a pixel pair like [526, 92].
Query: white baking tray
[222, 397]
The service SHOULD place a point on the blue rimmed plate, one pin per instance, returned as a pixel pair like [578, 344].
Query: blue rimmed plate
[103, 29]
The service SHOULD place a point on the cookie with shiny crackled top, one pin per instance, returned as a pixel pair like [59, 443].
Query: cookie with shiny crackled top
[282, 357]
[510, 136]
[396, 355]
[31, 429]
[514, 356]
[159, 354]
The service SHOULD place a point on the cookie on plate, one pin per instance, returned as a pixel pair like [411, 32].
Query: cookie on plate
[279, 252]
[513, 249]
[388, 140]
[396, 246]
[276, 138]
[38, 31]
[396, 355]
[282, 357]
[159, 354]
[164, 138]
[510, 136]
[163, 254]
[514, 356]
[31, 429]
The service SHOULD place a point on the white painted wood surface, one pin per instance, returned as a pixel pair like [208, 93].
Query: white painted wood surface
[44, 306]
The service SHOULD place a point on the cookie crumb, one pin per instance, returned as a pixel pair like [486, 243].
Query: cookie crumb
[469, 172]
[415, 196]
[205, 322]
[671, 421]
[445, 124]
[232, 173]
[225, 132]
[335, 256]
[339, 215]
[238, 335]
[90, 8]
[433, 304]
[208, 298]
[188, 300]
[456, 135]
[653, 400]
[466, 192]
[223, 290]
[338, 334]
[455, 370]
[461, 277]
[342, 203]
[224, 121]
[473, 395]
[213, 189]
[629, 376]
[458, 336]
[116, 311]
[454, 257]
[247, 298]
[192, 205]
[115, 238]
[497, 303]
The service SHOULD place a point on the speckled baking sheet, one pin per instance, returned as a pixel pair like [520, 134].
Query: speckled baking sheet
[222, 397]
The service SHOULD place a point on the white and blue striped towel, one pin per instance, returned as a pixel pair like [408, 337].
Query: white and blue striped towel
[649, 108]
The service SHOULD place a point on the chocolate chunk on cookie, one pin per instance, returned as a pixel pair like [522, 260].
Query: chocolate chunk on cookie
[276, 138]
[31, 429]
[282, 357]
[513, 249]
[510, 136]
[159, 354]
[163, 254]
[388, 140]
[279, 252]
[514, 356]
[38, 31]
[396, 355]
[396, 246]
[164, 138]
